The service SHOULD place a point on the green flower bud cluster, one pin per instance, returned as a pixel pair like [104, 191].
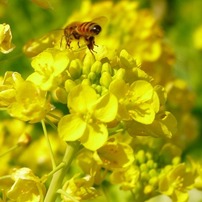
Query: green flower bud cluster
[149, 171]
[97, 74]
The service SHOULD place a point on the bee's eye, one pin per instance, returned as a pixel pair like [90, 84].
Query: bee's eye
[96, 29]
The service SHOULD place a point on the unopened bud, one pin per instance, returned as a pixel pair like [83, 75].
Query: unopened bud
[24, 139]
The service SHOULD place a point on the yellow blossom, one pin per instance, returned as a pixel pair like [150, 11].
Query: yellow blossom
[77, 189]
[26, 187]
[49, 66]
[176, 182]
[87, 118]
[8, 87]
[127, 177]
[90, 166]
[23, 99]
[106, 156]
[164, 125]
[137, 101]
[6, 45]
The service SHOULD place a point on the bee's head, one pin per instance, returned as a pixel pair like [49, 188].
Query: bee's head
[96, 29]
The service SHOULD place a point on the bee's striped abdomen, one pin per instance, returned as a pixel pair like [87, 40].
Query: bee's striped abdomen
[88, 28]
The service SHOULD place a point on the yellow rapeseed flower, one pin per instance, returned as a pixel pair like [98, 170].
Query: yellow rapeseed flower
[8, 87]
[176, 182]
[49, 66]
[23, 99]
[87, 118]
[77, 189]
[106, 156]
[6, 45]
[138, 101]
[26, 186]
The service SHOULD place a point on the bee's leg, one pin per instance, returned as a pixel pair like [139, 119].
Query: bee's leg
[68, 41]
[76, 36]
[94, 43]
[68, 38]
[68, 44]
[91, 43]
[78, 44]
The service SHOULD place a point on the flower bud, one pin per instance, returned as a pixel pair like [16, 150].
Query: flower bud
[106, 67]
[61, 95]
[96, 67]
[69, 84]
[75, 69]
[105, 79]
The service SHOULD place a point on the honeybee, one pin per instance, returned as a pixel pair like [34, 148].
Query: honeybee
[85, 30]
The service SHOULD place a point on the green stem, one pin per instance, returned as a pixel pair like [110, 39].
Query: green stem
[45, 177]
[54, 116]
[9, 150]
[51, 124]
[58, 177]
[49, 144]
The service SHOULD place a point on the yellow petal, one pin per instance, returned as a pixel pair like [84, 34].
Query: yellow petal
[106, 109]
[119, 88]
[82, 98]
[143, 113]
[141, 91]
[71, 127]
[95, 136]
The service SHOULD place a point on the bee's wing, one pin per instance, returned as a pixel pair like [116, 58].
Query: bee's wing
[34, 46]
[102, 20]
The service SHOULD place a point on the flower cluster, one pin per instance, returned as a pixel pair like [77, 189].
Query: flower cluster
[23, 99]
[118, 104]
